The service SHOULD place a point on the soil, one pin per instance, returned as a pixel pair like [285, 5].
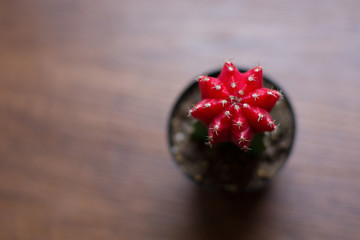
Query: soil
[226, 167]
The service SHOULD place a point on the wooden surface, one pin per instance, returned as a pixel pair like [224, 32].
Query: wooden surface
[86, 88]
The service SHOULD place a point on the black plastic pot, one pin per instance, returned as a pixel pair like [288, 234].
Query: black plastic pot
[225, 167]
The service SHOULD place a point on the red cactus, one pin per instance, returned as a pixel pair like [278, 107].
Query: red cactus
[235, 106]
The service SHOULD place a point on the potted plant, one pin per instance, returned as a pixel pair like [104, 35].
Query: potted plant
[232, 130]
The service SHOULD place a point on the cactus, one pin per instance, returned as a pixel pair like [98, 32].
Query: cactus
[235, 106]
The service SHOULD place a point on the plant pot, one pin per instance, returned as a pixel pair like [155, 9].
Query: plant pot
[225, 167]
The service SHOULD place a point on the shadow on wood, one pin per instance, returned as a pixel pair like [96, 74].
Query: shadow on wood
[226, 216]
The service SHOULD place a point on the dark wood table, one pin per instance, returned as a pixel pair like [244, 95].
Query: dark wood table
[86, 88]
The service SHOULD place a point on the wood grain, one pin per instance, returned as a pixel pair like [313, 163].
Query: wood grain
[86, 88]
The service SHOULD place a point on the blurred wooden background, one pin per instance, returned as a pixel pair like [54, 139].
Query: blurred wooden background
[86, 88]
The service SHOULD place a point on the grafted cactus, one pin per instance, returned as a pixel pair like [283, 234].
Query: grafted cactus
[235, 106]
